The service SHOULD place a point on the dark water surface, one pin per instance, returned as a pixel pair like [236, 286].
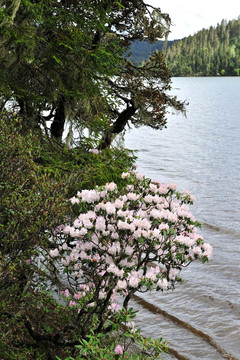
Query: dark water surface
[201, 153]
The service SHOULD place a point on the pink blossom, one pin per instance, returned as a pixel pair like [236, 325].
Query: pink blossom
[153, 187]
[54, 253]
[129, 250]
[94, 151]
[121, 284]
[72, 303]
[163, 226]
[119, 204]
[152, 273]
[114, 248]
[114, 307]
[139, 176]
[172, 186]
[110, 186]
[102, 294]
[67, 229]
[92, 304]
[132, 196]
[163, 189]
[112, 268]
[134, 279]
[148, 199]
[87, 224]
[207, 250]
[66, 293]
[119, 350]
[172, 274]
[125, 175]
[64, 246]
[162, 283]
[156, 214]
[114, 235]
[74, 200]
[110, 208]
[83, 231]
[130, 187]
[100, 224]
[89, 196]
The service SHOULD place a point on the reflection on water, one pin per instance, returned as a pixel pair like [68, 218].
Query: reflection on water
[201, 154]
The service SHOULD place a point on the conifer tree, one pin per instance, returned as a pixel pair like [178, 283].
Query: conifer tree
[65, 61]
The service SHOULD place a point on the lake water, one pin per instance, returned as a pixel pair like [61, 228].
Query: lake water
[201, 153]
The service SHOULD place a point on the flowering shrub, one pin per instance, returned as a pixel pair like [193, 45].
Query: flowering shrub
[123, 241]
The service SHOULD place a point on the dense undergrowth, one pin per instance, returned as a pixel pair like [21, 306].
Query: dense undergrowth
[64, 264]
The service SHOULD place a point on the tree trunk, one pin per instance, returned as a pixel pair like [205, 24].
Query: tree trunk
[117, 127]
[57, 125]
[30, 117]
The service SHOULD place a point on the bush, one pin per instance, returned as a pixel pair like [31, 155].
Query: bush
[32, 204]
[35, 180]
[123, 240]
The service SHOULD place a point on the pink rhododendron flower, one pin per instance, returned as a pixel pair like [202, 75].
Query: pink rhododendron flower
[72, 303]
[54, 253]
[121, 284]
[100, 224]
[115, 307]
[162, 283]
[132, 196]
[139, 176]
[207, 250]
[74, 200]
[77, 296]
[173, 273]
[66, 293]
[119, 350]
[172, 186]
[94, 151]
[125, 175]
[110, 186]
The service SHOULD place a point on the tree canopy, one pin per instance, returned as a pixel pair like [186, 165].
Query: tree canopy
[63, 61]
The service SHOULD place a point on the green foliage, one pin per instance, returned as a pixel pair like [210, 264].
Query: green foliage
[61, 61]
[72, 66]
[133, 345]
[34, 188]
[211, 52]
[31, 196]
[32, 204]
[83, 169]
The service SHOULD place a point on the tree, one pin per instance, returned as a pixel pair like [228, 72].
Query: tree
[64, 61]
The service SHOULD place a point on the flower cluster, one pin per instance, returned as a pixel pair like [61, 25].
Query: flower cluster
[128, 240]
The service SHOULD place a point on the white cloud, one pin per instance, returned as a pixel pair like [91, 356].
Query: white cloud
[189, 16]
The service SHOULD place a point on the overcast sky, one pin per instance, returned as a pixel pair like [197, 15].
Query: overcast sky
[190, 16]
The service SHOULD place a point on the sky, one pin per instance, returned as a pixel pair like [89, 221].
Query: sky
[190, 16]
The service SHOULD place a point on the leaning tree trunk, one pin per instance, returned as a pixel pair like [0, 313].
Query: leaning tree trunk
[117, 127]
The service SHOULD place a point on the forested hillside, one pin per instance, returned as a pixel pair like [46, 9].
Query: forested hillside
[211, 52]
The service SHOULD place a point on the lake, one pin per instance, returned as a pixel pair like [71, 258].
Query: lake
[201, 153]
